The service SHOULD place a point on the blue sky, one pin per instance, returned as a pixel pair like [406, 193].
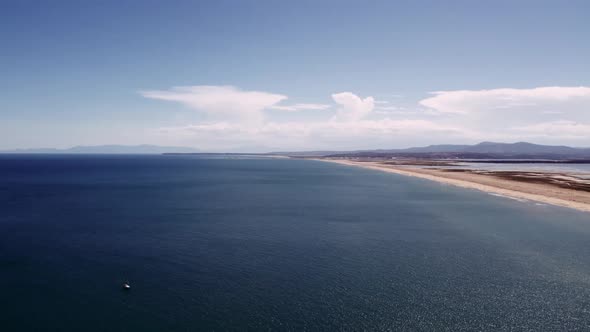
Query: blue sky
[267, 75]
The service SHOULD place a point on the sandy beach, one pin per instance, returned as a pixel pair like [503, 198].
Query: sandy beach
[538, 192]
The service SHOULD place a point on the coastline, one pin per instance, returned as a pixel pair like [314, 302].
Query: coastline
[537, 192]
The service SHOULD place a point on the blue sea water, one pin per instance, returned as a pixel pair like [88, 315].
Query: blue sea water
[272, 244]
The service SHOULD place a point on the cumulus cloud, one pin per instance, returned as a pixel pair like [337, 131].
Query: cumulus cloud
[352, 106]
[227, 101]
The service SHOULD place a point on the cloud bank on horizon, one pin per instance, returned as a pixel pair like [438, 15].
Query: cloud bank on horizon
[235, 117]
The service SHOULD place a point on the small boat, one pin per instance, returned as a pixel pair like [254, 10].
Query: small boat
[126, 285]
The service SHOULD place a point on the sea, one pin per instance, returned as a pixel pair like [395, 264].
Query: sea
[260, 244]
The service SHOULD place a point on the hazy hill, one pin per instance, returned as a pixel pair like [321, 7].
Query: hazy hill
[522, 148]
[519, 150]
[110, 149]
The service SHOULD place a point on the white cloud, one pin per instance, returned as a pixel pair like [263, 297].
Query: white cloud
[544, 113]
[353, 107]
[468, 101]
[561, 129]
[389, 108]
[225, 101]
[314, 135]
[301, 107]
[554, 115]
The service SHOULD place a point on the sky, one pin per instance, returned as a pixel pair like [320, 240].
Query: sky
[256, 76]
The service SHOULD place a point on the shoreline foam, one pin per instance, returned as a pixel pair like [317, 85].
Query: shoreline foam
[534, 192]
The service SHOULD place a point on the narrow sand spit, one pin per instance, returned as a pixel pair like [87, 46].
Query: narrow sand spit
[539, 192]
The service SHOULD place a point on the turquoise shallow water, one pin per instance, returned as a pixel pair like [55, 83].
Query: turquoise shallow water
[259, 244]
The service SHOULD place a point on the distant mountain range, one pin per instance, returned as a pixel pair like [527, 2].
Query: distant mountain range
[483, 150]
[499, 148]
[110, 149]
